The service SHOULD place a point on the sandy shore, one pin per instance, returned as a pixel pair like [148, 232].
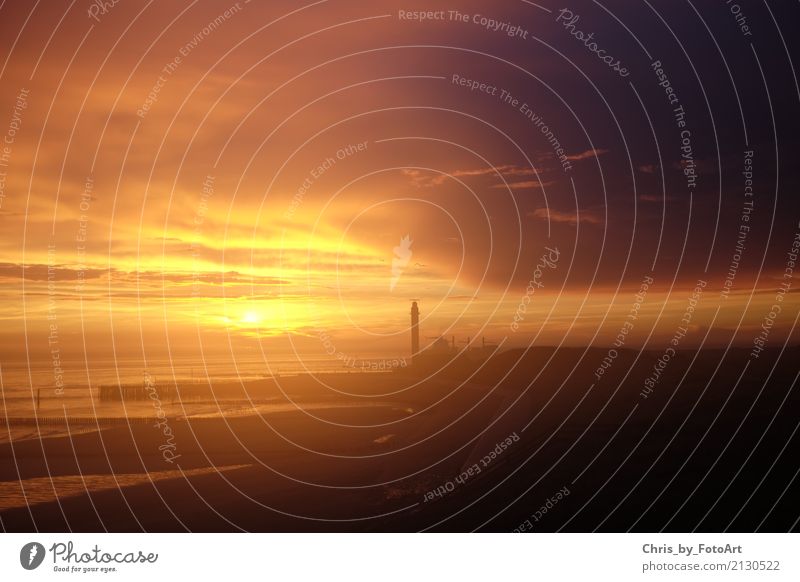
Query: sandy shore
[268, 452]
[277, 464]
[367, 453]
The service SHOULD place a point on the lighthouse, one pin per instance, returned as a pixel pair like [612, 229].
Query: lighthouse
[414, 331]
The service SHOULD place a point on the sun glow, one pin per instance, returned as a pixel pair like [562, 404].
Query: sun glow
[251, 318]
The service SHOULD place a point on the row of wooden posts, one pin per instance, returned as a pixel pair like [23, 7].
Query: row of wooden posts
[119, 393]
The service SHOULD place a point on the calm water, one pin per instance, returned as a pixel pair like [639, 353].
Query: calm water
[17, 376]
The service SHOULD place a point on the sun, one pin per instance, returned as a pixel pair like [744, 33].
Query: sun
[251, 317]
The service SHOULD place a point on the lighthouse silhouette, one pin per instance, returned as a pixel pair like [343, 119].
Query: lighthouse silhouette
[414, 331]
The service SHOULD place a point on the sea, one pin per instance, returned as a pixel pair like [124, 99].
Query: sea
[131, 371]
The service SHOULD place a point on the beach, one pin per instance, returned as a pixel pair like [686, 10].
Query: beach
[481, 448]
[300, 429]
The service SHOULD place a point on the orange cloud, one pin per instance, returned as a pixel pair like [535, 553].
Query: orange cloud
[525, 184]
[565, 217]
[587, 154]
[419, 178]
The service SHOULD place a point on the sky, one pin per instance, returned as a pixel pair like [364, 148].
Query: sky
[220, 177]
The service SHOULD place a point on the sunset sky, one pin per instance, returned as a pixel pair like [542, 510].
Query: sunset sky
[256, 196]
